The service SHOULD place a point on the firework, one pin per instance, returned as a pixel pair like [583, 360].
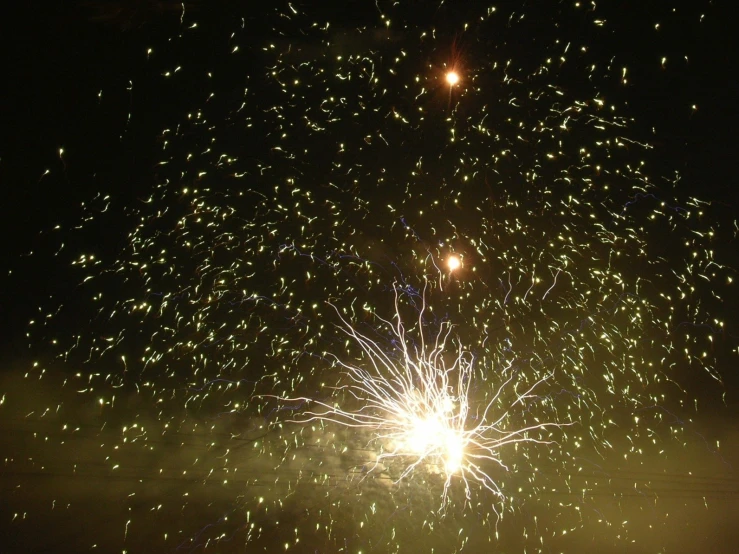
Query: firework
[419, 409]
[453, 263]
[550, 356]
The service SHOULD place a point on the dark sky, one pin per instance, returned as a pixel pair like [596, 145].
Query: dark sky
[187, 193]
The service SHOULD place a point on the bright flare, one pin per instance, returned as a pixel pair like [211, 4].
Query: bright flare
[453, 263]
[452, 78]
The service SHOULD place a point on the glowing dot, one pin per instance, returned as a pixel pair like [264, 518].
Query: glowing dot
[453, 263]
[452, 78]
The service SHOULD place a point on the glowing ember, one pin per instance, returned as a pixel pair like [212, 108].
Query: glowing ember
[453, 263]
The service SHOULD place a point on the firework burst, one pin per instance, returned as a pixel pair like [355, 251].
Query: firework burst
[417, 403]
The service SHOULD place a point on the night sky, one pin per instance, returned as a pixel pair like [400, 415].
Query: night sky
[267, 267]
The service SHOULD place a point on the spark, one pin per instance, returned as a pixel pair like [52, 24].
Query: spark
[452, 77]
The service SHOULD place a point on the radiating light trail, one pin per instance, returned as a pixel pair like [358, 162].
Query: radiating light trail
[419, 408]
